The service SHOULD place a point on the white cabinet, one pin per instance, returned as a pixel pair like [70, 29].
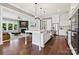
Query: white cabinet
[39, 38]
[73, 8]
[48, 24]
[46, 36]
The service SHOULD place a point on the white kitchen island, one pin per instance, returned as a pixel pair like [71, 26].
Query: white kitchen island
[39, 38]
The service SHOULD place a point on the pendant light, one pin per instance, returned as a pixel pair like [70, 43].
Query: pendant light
[36, 11]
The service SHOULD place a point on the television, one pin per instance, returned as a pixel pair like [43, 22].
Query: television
[23, 23]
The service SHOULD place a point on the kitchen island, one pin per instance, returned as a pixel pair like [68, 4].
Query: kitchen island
[39, 38]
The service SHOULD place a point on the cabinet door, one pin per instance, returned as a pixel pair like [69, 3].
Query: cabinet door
[49, 24]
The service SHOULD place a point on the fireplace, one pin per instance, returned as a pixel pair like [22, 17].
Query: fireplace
[23, 30]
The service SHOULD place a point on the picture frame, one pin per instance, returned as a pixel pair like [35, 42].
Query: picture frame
[23, 23]
[32, 24]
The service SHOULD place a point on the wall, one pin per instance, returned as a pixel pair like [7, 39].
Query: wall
[63, 21]
[48, 24]
[34, 24]
[55, 19]
[64, 24]
[55, 23]
[15, 16]
[8, 15]
[0, 25]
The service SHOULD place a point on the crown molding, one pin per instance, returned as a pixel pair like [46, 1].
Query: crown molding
[16, 8]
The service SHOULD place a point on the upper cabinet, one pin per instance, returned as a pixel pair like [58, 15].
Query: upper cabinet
[73, 9]
[73, 6]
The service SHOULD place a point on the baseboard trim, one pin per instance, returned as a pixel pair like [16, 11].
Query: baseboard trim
[37, 44]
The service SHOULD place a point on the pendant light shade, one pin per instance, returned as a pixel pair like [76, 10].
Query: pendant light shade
[35, 9]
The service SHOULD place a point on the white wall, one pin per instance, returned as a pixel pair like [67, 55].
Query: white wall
[12, 15]
[55, 19]
[55, 23]
[63, 21]
[34, 24]
[64, 24]
[0, 25]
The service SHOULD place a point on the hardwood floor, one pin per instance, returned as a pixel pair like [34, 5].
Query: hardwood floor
[56, 46]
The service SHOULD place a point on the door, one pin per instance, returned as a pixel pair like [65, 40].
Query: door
[56, 28]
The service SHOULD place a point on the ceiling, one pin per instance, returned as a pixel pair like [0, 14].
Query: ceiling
[48, 8]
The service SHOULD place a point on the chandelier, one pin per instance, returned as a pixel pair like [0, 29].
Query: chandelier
[36, 15]
[36, 12]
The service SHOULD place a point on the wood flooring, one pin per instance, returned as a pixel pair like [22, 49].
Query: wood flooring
[55, 46]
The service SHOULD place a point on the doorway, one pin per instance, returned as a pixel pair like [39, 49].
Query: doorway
[56, 28]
